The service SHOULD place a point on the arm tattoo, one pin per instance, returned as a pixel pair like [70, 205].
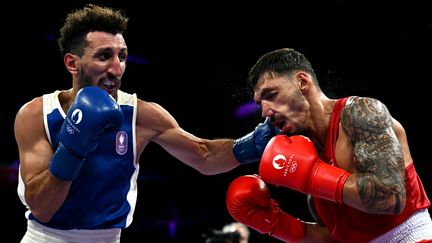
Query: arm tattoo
[377, 155]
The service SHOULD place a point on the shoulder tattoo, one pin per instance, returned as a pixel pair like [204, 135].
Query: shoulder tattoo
[377, 155]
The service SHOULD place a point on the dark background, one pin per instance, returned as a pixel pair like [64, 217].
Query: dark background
[193, 58]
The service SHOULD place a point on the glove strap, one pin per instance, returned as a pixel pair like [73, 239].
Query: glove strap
[328, 182]
[64, 164]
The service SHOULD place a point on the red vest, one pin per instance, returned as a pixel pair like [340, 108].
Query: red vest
[347, 224]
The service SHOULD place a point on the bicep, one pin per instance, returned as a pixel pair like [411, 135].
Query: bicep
[369, 125]
[34, 149]
[159, 126]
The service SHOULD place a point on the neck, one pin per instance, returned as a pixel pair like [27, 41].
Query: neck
[321, 109]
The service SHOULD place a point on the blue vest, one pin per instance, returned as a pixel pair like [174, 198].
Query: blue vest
[105, 192]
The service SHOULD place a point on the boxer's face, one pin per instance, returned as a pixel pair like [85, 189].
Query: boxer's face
[280, 97]
[103, 62]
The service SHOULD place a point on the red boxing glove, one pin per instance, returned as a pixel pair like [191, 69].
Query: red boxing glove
[294, 163]
[248, 201]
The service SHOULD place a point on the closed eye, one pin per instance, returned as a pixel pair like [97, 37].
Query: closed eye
[270, 95]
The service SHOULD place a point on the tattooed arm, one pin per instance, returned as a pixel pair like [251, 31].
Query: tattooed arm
[378, 184]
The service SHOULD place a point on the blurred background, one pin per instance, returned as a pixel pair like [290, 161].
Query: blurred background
[193, 59]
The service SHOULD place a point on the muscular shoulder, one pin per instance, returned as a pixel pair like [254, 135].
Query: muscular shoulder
[29, 118]
[364, 114]
[153, 117]
[31, 109]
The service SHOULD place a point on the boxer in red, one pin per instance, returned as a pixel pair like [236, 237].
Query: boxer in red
[352, 159]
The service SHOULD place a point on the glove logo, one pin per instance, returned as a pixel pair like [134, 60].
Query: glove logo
[70, 129]
[76, 116]
[280, 161]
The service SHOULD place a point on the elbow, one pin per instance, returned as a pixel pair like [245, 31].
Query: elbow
[393, 205]
[399, 203]
[397, 200]
[41, 215]
[390, 203]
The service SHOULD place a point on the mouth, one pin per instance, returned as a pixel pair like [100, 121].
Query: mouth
[279, 124]
[108, 85]
[283, 125]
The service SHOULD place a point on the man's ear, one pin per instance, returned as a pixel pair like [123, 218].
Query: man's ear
[70, 62]
[304, 81]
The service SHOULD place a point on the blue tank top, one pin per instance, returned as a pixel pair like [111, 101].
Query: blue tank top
[105, 192]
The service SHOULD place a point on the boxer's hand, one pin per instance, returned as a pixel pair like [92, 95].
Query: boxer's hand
[92, 112]
[250, 147]
[294, 163]
[248, 201]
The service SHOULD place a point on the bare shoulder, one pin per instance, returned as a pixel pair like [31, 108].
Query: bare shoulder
[29, 120]
[153, 116]
[365, 114]
[30, 110]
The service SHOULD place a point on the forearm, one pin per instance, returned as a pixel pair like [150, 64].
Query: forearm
[208, 156]
[45, 194]
[367, 193]
[218, 157]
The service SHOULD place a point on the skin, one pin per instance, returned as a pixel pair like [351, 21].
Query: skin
[371, 144]
[103, 64]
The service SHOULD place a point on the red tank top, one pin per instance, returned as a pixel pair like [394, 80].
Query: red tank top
[347, 224]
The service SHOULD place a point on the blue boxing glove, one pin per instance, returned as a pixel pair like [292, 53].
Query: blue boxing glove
[92, 112]
[250, 147]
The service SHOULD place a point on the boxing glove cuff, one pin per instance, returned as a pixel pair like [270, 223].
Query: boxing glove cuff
[64, 164]
[244, 149]
[328, 182]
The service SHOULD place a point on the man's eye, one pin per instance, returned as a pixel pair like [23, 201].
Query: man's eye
[270, 96]
[122, 58]
[103, 57]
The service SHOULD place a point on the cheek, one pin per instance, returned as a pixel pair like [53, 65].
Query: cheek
[300, 103]
[293, 108]
[95, 70]
[290, 103]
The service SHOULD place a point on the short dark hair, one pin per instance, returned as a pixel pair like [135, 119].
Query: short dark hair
[90, 18]
[281, 61]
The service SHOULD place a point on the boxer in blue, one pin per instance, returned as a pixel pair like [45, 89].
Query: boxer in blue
[80, 148]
